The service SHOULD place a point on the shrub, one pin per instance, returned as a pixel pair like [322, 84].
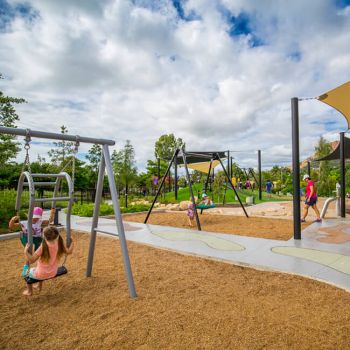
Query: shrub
[7, 206]
[105, 209]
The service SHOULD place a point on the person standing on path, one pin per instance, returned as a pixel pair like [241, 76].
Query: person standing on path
[310, 199]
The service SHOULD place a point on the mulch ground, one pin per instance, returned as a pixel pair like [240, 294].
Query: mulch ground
[239, 225]
[183, 302]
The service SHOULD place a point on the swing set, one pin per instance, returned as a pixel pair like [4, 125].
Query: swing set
[181, 156]
[33, 180]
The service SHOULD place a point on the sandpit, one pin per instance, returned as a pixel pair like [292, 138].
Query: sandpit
[270, 228]
[183, 302]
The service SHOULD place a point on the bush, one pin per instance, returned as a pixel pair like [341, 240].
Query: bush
[87, 209]
[105, 209]
[7, 206]
[135, 208]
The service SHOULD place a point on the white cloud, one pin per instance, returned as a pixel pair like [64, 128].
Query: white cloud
[135, 70]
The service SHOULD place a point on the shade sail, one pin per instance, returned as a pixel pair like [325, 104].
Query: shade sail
[200, 157]
[336, 153]
[339, 98]
[203, 167]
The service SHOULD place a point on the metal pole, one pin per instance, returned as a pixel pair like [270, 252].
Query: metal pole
[160, 186]
[126, 194]
[208, 176]
[308, 168]
[296, 167]
[259, 170]
[175, 179]
[54, 136]
[342, 175]
[233, 187]
[158, 168]
[228, 164]
[191, 191]
[119, 222]
[231, 167]
[94, 224]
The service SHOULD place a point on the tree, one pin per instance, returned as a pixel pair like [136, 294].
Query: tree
[8, 117]
[166, 145]
[94, 158]
[123, 163]
[62, 152]
[326, 184]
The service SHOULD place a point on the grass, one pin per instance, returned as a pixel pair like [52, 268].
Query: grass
[184, 195]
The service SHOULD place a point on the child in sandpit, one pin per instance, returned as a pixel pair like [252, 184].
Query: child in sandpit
[190, 213]
[47, 256]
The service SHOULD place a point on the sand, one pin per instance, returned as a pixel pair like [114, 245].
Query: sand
[271, 228]
[183, 302]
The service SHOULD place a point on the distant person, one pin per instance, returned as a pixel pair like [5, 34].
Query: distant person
[248, 185]
[269, 188]
[310, 199]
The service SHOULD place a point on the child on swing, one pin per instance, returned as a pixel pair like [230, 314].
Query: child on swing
[206, 200]
[37, 223]
[47, 256]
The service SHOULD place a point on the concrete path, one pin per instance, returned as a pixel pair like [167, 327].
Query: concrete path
[322, 254]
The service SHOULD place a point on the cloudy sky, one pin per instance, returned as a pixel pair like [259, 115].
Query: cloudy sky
[217, 73]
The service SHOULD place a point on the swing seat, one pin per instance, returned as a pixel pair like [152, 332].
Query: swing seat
[62, 270]
[203, 206]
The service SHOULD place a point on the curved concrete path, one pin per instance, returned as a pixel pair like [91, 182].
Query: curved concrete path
[322, 254]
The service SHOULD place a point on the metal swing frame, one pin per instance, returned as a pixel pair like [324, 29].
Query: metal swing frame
[184, 154]
[105, 165]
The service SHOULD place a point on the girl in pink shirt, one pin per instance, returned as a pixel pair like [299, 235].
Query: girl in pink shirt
[47, 256]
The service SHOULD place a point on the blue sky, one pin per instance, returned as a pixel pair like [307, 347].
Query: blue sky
[218, 73]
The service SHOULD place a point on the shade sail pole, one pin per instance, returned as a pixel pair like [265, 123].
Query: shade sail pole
[342, 175]
[296, 168]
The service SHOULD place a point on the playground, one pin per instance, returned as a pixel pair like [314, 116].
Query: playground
[238, 225]
[183, 302]
[237, 280]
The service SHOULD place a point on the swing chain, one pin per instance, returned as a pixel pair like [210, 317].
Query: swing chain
[26, 162]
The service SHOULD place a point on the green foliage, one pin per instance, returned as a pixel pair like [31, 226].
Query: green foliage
[7, 206]
[63, 150]
[165, 147]
[217, 185]
[94, 158]
[325, 184]
[8, 117]
[87, 210]
[124, 165]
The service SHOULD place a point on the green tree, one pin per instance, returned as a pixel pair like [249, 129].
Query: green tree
[326, 183]
[8, 117]
[123, 163]
[64, 149]
[94, 158]
[166, 145]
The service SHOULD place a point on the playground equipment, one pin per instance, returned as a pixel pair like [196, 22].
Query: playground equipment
[184, 157]
[330, 200]
[105, 165]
